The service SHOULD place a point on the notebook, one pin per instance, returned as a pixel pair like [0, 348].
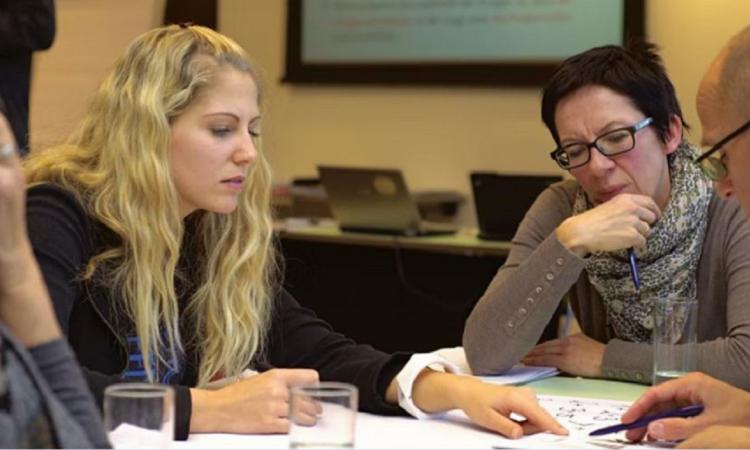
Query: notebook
[374, 201]
[501, 201]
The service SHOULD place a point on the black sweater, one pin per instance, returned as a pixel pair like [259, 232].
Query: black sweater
[65, 237]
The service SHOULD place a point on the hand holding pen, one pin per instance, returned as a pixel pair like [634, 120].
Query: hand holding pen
[622, 222]
[686, 411]
[722, 404]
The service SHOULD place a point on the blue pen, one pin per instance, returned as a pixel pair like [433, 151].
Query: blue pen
[634, 270]
[687, 411]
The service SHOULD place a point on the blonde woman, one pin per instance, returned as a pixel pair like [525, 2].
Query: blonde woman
[153, 230]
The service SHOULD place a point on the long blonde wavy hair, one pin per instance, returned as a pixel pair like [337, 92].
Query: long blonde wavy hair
[117, 164]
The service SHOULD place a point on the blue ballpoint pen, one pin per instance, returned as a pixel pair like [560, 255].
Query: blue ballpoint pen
[634, 270]
[687, 411]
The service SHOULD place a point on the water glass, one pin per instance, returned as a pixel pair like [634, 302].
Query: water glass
[674, 337]
[139, 415]
[323, 416]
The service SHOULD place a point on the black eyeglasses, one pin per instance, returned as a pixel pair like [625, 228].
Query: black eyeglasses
[712, 164]
[610, 143]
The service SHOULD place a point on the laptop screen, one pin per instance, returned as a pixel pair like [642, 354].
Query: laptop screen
[501, 201]
[370, 199]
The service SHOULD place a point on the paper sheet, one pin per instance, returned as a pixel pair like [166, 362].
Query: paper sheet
[520, 373]
[516, 375]
[580, 416]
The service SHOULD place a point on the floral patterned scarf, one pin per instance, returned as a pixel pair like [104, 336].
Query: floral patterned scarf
[667, 265]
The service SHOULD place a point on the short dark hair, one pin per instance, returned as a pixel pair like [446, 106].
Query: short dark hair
[635, 71]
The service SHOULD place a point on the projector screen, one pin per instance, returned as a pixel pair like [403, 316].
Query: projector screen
[448, 41]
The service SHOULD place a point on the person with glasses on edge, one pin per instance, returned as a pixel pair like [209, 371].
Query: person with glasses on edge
[723, 104]
[615, 118]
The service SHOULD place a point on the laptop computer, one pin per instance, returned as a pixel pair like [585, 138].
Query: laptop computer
[375, 201]
[501, 201]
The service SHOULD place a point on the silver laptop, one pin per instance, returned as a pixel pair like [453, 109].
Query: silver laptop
[374, 201]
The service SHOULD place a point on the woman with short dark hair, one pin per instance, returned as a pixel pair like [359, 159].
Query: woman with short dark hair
[618, 131]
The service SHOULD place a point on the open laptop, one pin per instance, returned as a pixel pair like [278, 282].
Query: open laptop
[501, 201]
[374, 201]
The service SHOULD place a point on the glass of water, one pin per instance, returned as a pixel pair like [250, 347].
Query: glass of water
[323, 416]
[674, 337]
[139, 415]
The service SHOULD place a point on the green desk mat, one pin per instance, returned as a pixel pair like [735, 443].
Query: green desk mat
[586, 387]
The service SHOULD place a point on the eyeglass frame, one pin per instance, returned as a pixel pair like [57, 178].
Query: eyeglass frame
[633, 129]
[717, 147]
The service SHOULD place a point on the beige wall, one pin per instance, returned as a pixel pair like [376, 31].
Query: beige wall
[690, 33]
[435, 135]
[438, 135]
[90, 36]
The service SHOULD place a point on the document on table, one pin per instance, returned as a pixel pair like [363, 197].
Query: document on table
[516, 375]
[455, 430]
[580, 416]
[520, 373]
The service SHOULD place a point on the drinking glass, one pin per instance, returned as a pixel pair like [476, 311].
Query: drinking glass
[323, 416]
[139, 415]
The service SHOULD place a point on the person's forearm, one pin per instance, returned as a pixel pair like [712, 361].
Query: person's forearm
[201, 419]
[432, 391]
[511, 315]
[724, 358]
[59, 367]
[435, 392]
[25, 308]
[628, 361]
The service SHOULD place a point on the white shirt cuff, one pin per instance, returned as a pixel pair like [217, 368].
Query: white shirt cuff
[405, 380]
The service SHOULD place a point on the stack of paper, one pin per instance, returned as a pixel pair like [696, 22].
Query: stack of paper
[518, 374]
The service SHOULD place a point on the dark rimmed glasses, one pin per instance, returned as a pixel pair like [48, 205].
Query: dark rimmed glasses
[711, 162]
[611, 143]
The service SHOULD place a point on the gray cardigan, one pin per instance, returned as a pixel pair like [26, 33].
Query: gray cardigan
[45, 385]
[509, 318]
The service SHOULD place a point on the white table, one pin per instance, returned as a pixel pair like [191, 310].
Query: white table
[454, 431]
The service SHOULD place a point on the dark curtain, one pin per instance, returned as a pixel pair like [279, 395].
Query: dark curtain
[197, 12]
